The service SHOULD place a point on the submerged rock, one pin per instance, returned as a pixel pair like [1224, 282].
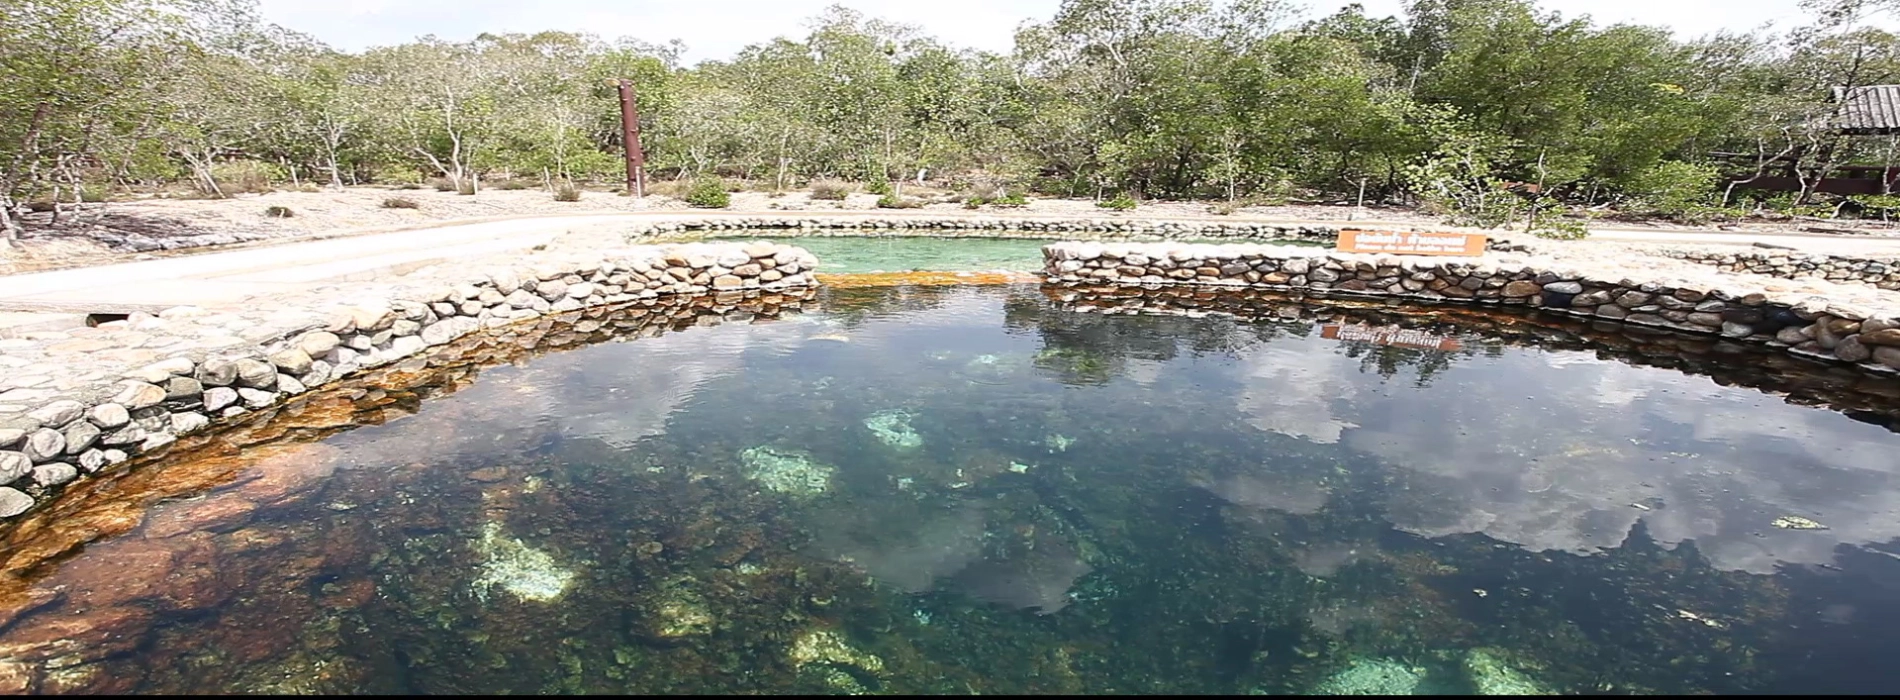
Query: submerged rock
[1490, 675]
[786, 471]
[893, 428]
[528, 573]
[1367, 676]
[825, 652]
[680, 612]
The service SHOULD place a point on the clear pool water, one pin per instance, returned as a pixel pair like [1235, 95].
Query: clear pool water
[983, 489]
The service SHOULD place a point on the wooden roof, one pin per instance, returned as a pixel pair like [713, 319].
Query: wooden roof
[1868, 110]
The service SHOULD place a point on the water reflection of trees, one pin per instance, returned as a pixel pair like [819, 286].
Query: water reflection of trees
[1091, 347]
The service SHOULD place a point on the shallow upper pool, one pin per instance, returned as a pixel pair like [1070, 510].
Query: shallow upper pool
[991, 489]
[857, 254]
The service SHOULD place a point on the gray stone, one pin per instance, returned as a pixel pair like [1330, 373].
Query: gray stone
[405, 328]
[362, 343]
[175, 366]
[14, 465]
[256, 374]
[1295, 266]
[1564, 287]
[11, 436]
[289, 385]
[1791, 335]
[13, 502]
[521, 299]
[1731, 329]
[109, 415]
[136, 395]
[551, 290]
[1889, 356]
[1706, 319]
[156, 441]
[183, 389]
[128, 435]
[580, 290]
[256, 398]
[188, 422]
[1878, 324]
[54, 473]
[57, 412]
[292, 360]
[217, 371]
[219, 397]
[407, 345]
[1850, 349]
[438, 333]
[318, 375]
[92, 460]
[80, 436]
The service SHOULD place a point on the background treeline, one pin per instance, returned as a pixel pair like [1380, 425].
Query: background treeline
[1233, 100]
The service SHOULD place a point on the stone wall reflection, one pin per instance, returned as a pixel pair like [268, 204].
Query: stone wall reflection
[1566, 448]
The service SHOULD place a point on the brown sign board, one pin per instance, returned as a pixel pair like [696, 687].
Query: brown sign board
[1410, 242]
[1389, 335]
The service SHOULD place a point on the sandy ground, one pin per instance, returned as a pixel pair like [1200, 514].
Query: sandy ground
[118, 231]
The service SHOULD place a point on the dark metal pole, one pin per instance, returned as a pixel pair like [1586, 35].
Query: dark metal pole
[630, 134]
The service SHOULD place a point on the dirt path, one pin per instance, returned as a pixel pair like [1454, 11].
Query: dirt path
[122, 231]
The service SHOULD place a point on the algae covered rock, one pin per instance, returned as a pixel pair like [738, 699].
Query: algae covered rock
[792, 472]
[528, 573]
[1491, 675]
[1370, 676]
[893, 428]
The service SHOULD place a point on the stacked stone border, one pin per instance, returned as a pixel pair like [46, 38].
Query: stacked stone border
[1866, 396]
[1008, 227]
[1882, 272]
[1807, 326]
[83, 430]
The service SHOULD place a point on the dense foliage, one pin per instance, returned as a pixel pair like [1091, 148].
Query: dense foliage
[1449, 104]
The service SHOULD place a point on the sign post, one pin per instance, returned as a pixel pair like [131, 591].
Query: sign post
[1410, 243]
[630, 135]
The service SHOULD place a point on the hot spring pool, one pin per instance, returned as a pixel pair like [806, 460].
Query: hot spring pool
[989, 489]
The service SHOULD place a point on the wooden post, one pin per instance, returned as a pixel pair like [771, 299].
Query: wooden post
[630, 135]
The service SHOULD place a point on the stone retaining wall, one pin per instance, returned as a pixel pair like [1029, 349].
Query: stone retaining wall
[1004, 227]
[74, 403]
[1883, 273]
[1806, 325]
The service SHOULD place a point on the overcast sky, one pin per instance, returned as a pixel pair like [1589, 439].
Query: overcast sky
[718, 29]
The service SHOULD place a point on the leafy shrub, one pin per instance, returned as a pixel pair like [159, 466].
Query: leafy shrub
[974, 202]
[409, 186]
[1121, 202]
[830, 190]
[1012, 199]
[467, 187]
[241, 176]
[567, 192]
[277, 212]
[1675, 190]
[514, 185]
[400, 203]
[94, 194]
[891, 201]
[442, 185]
[708, 193]
[879, 187]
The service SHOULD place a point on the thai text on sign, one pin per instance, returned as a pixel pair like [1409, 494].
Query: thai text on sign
[1410, 242]
[1389, 335]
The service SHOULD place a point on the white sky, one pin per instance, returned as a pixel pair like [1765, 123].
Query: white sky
[714, 30]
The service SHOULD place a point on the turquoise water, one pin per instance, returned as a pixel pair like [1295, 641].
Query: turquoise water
[982, 489]
[862, 254]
